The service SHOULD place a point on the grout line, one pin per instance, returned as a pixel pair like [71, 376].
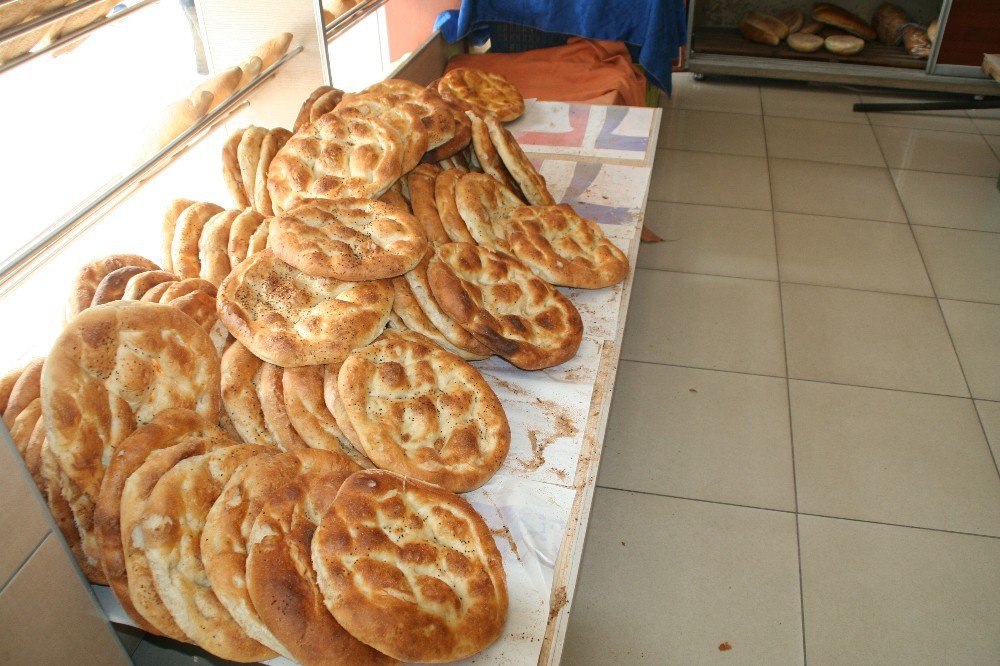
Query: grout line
[24, 562]
[814, 284]
[811, 514]
[947, 328]
[788, 396]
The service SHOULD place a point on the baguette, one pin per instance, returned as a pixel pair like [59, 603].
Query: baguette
[270, 51]
[222, 86]
[251, 67]
[804, 42]
[844, 44]
[763, 29]
[793, 18]
[174, 121]
[840, 18]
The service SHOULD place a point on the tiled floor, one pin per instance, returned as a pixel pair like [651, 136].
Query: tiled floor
[801, 454]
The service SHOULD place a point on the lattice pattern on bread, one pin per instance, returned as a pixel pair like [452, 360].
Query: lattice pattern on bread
[322, 100]
[423, 412]
[438, 121]
[403, 118]
[531, 182]
[289, 318]
[484, 204]
[113, 368]
[410, 569]
[349, 239]
[483, 92]
[504, 305]
[564, 248]
[336, 157]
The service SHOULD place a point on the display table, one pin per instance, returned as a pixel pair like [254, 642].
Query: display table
[599, 160]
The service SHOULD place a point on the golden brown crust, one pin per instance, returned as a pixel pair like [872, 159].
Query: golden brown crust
[24, 425]
[224, 537]
[280, 579]
[90, 275]
[26, 387]
[564, 248]
[154, 293]
[165, 430]
[433, 111]
[272, 143]
[444, 198]
[839, 17]
[333, 158]
[330, 374]
[487, 155]
[485, 204]
[413, 318]
[424, 412]
[112, 287]
[231, 169]
[420, 182]
[325, 104]
[272, 403]
[248, 158]
[763, 28]
[7, 383]
[213, 254]
[421, 289]
[240, 376]
[140, 283]
[520, 167]
[171, 529]
[403, 118]
[113, 368]
[312, 420]
[482, 92]
[240, 234]
[169, 225]
[303, 118]
[292, 319]
[184, 247]
[349, 239]
[433, 591]
[505, 306]
[459, 142]
[33, 453]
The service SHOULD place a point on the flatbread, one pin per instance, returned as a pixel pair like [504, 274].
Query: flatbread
[305, 111]
[213, 252]
[184, 247]
[113, 368]
[350, 239]
[169, 224]
[482, 92]
[275, 139]
[410, 569]
[420, 182]
[459, 142]
[531, 183]
[423, 412]
[564, 248]
[272, 403]
[485, 204]
[240, 234]
[240, 377]
[504, 305]
[403, 118]
[292, 319]
[486, 154]
[85, 283]
[231, 169]
[25, 388]
[141, 283]
[444, 199]
[248, 157]
[413, 318]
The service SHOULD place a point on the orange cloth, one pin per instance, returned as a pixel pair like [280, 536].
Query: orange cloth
[584, 70]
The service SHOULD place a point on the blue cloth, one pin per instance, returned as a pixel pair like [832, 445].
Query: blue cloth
[657, 27]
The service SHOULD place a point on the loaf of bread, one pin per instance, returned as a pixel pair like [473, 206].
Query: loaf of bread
[844, 44]
[889, 21]
[804, 42]
[793, 18]
[932, 31]
[811, 28]
[839, 17]
[916, 42]
[763, 29]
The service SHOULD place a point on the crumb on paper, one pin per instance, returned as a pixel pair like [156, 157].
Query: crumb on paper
[504, 533]
[559, 600]
[725, 647]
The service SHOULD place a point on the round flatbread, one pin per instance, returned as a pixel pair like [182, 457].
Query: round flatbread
[177, 206]
[564, 248]
[248, 158]
[7, 383]
[86, 281]
[141, 283]
[531, 183]
[26, 387]
[504, 305]
[240, 233]
[336, 407]
[420, 183]
[113, 368]
[165, 430]
[272, 143]
[272, 403]
[280, 578]
[410, 569]
[402, 117]
[304, 116]
[134, 497]
[171, 530]
[350, 239]
[231, 170]
[240, 378]
[184, 246]
[482, 92]
[447, 208]
[213, 247]
[484, 204]
[309, 415]
[459, 142]
[412, 318]
[292, 319]
[424, 412]
[429, 105]
[335, 158]
[487, 156]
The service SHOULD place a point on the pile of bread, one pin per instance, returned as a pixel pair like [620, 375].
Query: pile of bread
[837, 30]
[258, 444]
[19, 13]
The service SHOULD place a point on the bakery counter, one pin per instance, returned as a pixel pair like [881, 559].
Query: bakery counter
[599, 160]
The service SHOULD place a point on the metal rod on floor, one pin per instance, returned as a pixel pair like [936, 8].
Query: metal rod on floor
[929, 106]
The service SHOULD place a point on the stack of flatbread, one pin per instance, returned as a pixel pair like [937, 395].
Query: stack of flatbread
[256, 443]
